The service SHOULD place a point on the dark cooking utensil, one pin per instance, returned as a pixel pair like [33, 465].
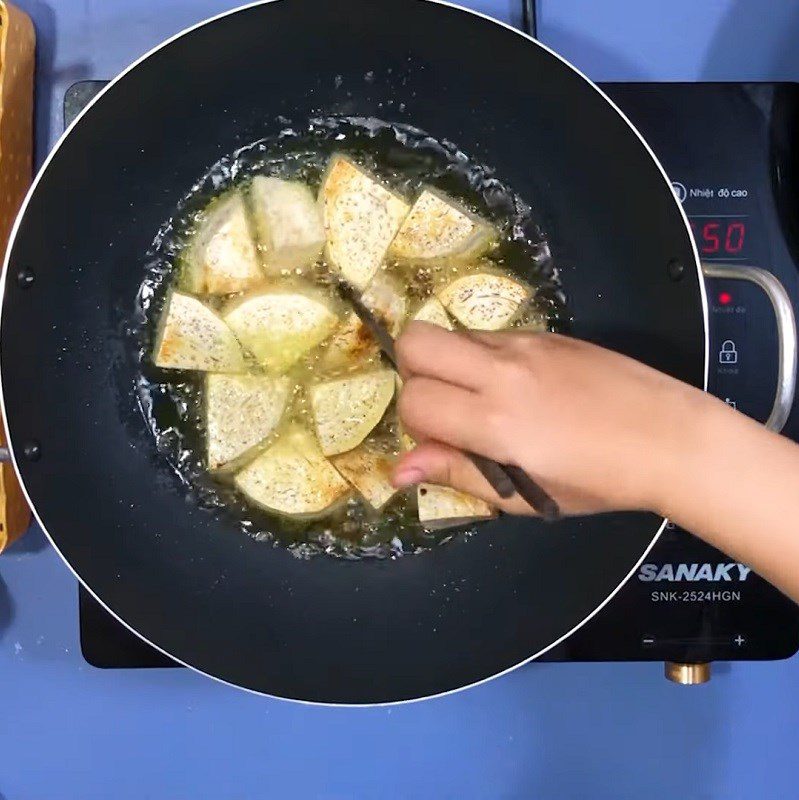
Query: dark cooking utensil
[532, 493]
[504, 480]
[187, 580]
[381, 335]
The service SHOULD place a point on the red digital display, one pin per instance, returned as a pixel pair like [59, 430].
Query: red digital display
[719, 237]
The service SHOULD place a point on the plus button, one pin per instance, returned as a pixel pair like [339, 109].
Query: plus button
[739, 640]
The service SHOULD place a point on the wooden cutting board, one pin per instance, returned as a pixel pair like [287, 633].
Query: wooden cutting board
[17, 46]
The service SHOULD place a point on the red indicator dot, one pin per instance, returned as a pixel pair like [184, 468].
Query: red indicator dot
[725, 298]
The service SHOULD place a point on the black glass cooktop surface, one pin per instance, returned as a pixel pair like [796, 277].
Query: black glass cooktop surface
[725, 147]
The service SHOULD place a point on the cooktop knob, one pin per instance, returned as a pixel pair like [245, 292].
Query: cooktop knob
[687, 674]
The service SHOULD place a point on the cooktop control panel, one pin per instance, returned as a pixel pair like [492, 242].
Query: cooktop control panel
[726, 150]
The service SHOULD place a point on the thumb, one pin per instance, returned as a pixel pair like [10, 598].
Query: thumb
[433, 462]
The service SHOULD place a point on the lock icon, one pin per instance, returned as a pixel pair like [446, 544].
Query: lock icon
[728, 354]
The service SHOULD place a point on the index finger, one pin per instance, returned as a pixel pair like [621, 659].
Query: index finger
[430, 351]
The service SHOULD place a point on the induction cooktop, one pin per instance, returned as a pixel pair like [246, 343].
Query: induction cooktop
[726, 148]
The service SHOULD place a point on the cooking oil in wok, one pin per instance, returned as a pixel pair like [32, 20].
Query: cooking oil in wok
[406, 158]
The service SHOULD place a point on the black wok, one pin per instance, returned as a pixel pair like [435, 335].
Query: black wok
[243, 611]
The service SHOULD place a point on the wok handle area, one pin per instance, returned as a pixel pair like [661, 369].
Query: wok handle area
[17, 45]
[693, 674]
[786, 333]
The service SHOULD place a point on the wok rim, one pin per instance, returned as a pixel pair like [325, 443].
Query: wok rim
[3, 282]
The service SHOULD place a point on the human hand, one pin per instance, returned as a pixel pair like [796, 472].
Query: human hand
[598, 430]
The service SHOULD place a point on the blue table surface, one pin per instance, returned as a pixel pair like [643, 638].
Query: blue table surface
[612, 731]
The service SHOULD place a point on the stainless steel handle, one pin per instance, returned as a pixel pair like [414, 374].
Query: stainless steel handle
[786, 332]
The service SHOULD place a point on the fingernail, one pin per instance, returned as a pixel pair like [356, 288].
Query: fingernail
[407, 477]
